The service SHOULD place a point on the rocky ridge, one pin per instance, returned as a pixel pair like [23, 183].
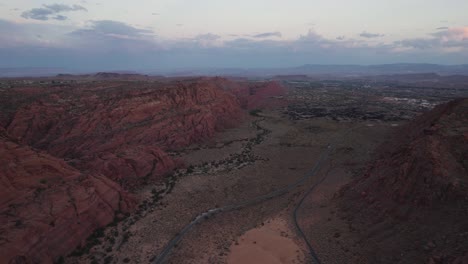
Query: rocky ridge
[410, 205]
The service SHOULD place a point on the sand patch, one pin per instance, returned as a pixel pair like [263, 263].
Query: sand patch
[269, 244]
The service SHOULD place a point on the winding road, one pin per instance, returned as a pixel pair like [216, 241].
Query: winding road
[161, 258]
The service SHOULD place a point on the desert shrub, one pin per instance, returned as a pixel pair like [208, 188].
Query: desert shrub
[190, 169]
[255, 112]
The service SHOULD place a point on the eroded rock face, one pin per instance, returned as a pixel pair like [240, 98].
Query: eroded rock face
[123, 131]
[47, 207]
[416, 190]
[260, 95]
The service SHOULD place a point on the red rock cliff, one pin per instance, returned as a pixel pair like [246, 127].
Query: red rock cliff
[69, 151]
[48, 208]
[123, 131]
[260, 94]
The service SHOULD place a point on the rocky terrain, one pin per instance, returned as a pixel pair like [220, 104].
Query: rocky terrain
[122, 131]
[48, 207]
[410, 205]
[72, 151]
[108, 168]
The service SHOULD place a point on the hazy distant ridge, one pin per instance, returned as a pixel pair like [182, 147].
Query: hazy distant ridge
[308, 69]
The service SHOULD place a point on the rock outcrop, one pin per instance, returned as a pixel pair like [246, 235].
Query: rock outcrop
[416, 190]
[47, 208]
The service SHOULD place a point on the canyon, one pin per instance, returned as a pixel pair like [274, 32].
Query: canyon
[71, 153]
[109, 168]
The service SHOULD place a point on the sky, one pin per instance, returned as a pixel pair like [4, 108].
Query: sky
[176, 34]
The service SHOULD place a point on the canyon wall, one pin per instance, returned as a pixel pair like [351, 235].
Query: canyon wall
[71, 152]
[48, 207]
[123, 131]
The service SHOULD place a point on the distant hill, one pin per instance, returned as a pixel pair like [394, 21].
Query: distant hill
[401, 68]
[308, 69]
[335, 70]
[30, 72]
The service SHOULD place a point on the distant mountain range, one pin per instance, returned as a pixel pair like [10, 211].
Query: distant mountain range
[340, 70]
[31, 72]
[308, 69]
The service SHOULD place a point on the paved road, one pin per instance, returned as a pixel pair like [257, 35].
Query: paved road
[161, 258]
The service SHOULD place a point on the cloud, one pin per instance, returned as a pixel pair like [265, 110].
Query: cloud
[60, 17]
[204, 41]
[51, 12]
[64, 8]
[450, 39]
[26, 34]
[417, 43]
[208, 36]
[268, 35]
[365, 34]
[112, 36]
[115, 29]
[107, 45]
[457, 34]
[442, 28]
[38, 14]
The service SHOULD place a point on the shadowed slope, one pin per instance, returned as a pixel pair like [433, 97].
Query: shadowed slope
[412, 201]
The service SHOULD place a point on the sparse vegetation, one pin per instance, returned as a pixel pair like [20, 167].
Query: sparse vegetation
[60, 260]
[91, 241]
[190, 169]
[255, 112]
[108, 260]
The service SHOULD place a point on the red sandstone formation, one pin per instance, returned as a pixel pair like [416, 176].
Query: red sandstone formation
[123, 131]
[65, 149]
[416, 190]
[259, 95]
[47, 207]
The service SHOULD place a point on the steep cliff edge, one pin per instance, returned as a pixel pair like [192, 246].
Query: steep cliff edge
[411, 204]
[47, 208]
